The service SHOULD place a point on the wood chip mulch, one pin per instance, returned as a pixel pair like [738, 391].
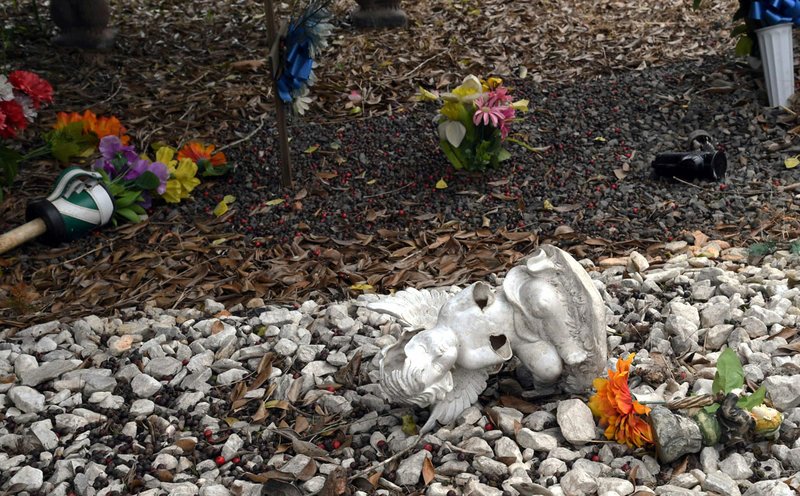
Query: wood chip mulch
[195, 70]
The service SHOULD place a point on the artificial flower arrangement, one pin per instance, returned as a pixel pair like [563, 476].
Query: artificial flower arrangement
[22, 94]
[724, 416]
[474, 121]
[302, 40]
[135, 181]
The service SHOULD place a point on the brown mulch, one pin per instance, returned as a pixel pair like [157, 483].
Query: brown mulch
[186, 70]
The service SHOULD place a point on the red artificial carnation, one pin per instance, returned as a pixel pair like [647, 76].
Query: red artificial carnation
[38, 89]
[13, 119]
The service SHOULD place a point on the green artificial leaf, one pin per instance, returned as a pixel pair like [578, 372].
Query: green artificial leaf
[210, 171]
[138, 209]
[451, 154]
[128, 214]
[755, 399]
[794, 247]
[730, 374]
[63, 151]
[739, 30]
[696, 4]
[712, 408]
[744, 46]
[503, 155]
[126, 199]
[147, 181]
[9, 165]
[761, 249]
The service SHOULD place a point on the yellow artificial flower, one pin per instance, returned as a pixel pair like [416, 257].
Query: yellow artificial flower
[469, 91]
[165, 155]
[520, 105]
[182, 180]
[426, 96]
[491, 83]
[767, 419]
[451, 110]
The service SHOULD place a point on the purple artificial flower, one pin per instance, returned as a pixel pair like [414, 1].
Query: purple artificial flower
[111, 147]
[162, 173]
[146, 201]
[140, 166]
[105, 165]
[136, 168]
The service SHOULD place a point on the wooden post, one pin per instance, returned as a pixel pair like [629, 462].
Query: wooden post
[280, 112]
[21, 234]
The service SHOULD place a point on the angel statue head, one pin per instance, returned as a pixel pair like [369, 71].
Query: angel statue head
[547, 312]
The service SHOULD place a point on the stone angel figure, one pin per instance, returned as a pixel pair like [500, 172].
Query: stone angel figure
[547, 312]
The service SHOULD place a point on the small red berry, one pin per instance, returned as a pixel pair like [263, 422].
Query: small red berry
[321, 445]
[723, 187]
[336, 444]
[330, 389]
[185, 362]
[220, 460]
[236, 460]
[428, 447]
[595, 458]
[626, 467]
[208, 433]
[488, 427]
[381, 444]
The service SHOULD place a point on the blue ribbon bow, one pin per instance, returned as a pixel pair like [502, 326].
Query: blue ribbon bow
[772, 12]
[297, 64]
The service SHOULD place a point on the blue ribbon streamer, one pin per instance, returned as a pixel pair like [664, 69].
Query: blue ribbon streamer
[297, 63]
[772, 12]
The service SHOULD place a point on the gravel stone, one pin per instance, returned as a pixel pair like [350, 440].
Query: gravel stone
[145, 386]
[576, 421]
[537, 441]
[410, 469]
[27, 399]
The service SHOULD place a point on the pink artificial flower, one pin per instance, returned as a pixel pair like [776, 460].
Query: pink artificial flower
[508, 115]
[487, 113]
[499, 96]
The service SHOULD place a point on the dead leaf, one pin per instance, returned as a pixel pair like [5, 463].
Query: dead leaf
[375, 478]
[348, 374]
[518, 404]
[563, 230]
[428, 472]
[335, 484]
[186, 444]
[301, 424]
[248, 65]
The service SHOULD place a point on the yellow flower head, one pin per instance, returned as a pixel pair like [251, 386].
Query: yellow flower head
[491, 83]
[165, 155]
[451, 110]
[520, 105]
[426, 96]
[469, 91]
[767, 419]
[182, 180]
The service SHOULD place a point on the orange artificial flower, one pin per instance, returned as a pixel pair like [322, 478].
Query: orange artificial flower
[99, 126]
[618, 411]
[110, 126]
[197, 152]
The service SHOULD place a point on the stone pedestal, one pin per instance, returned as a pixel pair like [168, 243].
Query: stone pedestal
[83, 23]
[379, 14]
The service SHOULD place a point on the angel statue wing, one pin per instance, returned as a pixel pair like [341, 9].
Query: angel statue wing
[413, 308]
[467, 385]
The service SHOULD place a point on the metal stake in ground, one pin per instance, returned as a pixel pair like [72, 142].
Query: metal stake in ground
[273, 41]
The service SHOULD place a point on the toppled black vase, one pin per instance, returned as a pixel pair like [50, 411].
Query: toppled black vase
[703, 162]
[705, 165]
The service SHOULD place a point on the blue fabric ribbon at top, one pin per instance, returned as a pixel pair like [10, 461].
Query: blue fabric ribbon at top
[772, 12]
[297, 64]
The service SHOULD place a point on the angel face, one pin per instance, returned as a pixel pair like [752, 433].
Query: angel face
[430, 355]
[481, 323]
